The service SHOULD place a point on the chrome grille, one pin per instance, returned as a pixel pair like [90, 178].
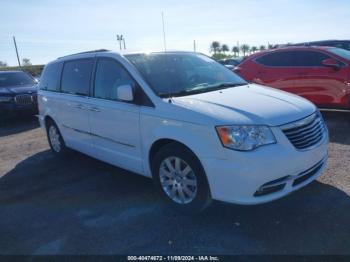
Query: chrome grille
[34, 98]
[27, 99]
[305, 133]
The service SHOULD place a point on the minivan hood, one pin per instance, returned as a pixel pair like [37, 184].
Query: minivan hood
[248, 105]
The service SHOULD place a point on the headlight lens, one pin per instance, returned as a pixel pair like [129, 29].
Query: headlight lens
[5, 98]
[245, 138]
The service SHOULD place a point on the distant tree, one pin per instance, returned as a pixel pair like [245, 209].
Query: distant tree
[215, 47]
[253, 49]
[220, 55]
[225, 48]
[26, 62]
[3, 64]
[262, 48]
[245, 49]
[235, 51]
[270, 46]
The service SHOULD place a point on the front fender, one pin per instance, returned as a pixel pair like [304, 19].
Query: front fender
[202, 140]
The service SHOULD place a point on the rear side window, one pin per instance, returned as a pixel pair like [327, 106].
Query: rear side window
[293, 59]
[109, 76]
[276, 59]
[50, 80]
[76, 76]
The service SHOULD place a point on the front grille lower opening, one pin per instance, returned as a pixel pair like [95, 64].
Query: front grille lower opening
[269, 190]
[271, 187]
[308, 174]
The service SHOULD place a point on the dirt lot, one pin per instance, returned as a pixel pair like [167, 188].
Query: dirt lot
[78, 205]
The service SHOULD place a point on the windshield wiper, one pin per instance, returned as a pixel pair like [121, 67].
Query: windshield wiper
[224, 85]
[181, 93]
[198, 90]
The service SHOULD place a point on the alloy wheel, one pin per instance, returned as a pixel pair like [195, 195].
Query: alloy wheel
[54, 139]
[178, 180]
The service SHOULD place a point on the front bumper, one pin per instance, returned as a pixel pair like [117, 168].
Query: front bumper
[238, 178]
[10, 109]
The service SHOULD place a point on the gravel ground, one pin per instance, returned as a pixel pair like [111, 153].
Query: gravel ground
[78, 205]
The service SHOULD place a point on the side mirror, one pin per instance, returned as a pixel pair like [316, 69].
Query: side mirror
[330, 62]
[125, 93]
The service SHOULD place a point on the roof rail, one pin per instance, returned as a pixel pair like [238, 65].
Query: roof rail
[86, 52]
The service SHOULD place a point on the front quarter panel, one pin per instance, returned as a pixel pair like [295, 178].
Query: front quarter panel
[201, 139]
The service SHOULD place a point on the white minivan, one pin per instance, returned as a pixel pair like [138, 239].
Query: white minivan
[199, 130]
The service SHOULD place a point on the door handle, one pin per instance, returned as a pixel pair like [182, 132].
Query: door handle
[94, 109]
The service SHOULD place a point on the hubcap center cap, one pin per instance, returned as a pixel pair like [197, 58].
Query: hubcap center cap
[178, 178]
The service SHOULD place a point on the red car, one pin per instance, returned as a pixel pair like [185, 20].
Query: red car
[320, 74]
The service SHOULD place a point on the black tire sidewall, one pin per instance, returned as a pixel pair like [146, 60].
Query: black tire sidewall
[203, 196]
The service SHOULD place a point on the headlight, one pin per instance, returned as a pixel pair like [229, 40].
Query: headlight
[5, 98]
[245, 138]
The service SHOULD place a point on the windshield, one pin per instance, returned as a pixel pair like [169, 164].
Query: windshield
[179, 74]
[13, 79]
[340, 52]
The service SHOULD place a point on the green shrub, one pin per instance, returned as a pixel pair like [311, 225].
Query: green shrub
[218, 56]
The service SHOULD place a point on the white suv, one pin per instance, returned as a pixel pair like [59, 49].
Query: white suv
[199, 130]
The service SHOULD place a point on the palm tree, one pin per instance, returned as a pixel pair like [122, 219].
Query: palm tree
[225, 48]
[262, 48]
[235, 51]
[253, 49]
[215, 47]
[245, 48]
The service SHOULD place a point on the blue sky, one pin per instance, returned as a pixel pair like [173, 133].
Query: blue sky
[47, 29]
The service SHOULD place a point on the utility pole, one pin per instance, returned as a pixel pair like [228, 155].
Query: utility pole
[14, 41]
[120, 39]
[164, 40]
[194, 46]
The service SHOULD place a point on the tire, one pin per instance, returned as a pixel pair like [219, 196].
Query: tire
[175, 168]
[54, 137]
